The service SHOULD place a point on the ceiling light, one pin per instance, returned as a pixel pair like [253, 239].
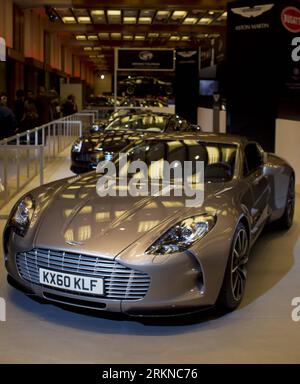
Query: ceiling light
[114, 13]
[211, 12]
[129, 20]
[80, 37]
[145, 20]
[153, 34]
[102, 77]
[223, 16]
[97, 12]
[179, 15]
[92, 37]
[174, 38]
[87, 48]
[69, 20]
[185, 38]
[97, 49]
[139, 37]
[115, 36]
[92, 56]
[205, 20]
[147, 12]
[84, 20]
[190, 20]
[163, 13]
[127, 37]
[103, 35]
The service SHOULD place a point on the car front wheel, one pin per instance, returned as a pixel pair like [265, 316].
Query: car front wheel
[234, 283]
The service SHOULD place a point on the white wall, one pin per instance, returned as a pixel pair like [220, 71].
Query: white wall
[287, 143]
[205, 120]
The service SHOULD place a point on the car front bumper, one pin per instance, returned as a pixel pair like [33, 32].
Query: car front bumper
[180, 283]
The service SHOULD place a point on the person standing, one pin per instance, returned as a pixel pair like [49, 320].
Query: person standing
[8, 124]
[43, 106]
[54, 104]
[19, 106]
[70, 106]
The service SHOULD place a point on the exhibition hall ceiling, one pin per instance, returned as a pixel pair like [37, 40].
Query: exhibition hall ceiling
[94, 28]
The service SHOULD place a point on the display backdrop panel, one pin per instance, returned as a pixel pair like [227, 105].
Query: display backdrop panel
[146, 59]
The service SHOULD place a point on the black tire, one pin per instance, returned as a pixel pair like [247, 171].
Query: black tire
[169, 91]
[79, 170]
[286, 220]
[235, 277]
[130, 90]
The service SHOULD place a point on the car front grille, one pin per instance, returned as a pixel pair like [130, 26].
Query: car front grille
[121, 282]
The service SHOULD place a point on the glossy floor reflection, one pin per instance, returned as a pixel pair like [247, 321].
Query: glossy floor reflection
[260, 331]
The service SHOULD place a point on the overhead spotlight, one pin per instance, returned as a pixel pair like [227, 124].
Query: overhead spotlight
[52, 15]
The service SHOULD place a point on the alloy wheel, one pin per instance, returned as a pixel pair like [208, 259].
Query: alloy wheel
[239, 264]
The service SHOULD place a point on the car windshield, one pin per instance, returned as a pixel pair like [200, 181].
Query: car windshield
[143, 123]
[219, 158]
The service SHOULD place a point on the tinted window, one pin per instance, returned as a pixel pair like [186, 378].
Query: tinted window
[253, 158]
[218, 158]
[152, 123]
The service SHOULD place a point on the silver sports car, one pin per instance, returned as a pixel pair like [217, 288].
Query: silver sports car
[151, 255]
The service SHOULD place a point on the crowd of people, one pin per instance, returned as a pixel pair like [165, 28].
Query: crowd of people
[30, 111]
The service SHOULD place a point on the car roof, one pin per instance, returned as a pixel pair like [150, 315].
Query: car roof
[209, 137]
[147, 113]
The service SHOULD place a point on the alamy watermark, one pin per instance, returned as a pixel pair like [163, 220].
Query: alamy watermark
[157, 178]
[296, 311]
[2, 309]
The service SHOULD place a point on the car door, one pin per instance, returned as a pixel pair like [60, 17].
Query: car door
[253, 170]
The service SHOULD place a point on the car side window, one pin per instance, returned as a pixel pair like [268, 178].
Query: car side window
[253, 158]
[172, 125]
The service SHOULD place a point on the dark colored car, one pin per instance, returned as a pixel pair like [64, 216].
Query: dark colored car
[101, 124]
[88, 150]
[143, 103]
[145, 85]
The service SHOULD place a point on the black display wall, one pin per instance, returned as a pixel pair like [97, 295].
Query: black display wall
[187, 84]
[252, 72]
[289, 30]
[259, 66]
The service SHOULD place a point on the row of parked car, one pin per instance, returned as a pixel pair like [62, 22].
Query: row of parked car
[109, 136]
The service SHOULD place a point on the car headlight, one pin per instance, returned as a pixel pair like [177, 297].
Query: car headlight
[77, 146]
[183, 235]
[22, 215]
[95, 128]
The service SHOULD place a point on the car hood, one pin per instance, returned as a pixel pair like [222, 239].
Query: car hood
[106, 141]
[77, 218]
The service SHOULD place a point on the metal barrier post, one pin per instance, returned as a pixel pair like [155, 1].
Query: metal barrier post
[41, 152]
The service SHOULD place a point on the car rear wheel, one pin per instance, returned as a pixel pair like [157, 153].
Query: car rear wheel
[130, 90]
[286, 220]
[234, 283]
[169, 91]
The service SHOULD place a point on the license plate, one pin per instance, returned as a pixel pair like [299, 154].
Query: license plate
[70, 282]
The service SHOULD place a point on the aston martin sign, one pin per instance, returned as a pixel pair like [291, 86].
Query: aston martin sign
[146, 59]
